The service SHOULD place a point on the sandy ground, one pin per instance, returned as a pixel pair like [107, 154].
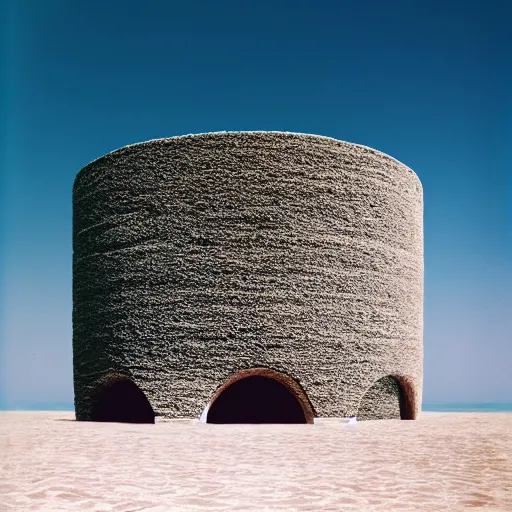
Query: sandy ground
[443, 461]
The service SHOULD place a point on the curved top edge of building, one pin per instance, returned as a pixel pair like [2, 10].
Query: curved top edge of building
[249, 134]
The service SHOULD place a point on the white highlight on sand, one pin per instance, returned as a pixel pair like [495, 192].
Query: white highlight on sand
[202, 418]
[349, 421]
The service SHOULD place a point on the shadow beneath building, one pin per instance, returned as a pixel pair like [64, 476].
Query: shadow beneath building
[119, 399]
[256, 399]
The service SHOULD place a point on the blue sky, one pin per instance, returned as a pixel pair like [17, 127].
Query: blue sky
[426, 82]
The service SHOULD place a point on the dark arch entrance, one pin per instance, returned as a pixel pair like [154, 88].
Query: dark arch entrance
[259, 396]
[119, 399]
[386, 398]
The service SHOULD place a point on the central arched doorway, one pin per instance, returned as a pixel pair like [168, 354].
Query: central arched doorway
[119, 399]
[260, 396]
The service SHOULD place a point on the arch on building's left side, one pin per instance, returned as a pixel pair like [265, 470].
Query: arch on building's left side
[259, 395]
[118, 399]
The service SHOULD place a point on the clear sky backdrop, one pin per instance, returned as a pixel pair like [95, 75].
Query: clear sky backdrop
[428, 82]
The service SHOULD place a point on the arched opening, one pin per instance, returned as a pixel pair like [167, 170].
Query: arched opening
[256, 399]
[260, 396]
[119, 399]
[385, 399]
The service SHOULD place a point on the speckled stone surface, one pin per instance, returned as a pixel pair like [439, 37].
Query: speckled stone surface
[200, 256]
[381, 401]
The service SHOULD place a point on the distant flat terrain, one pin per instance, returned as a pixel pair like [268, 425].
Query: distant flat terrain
[443, 461]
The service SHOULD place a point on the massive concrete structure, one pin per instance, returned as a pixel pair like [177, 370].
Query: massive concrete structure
[267, 276]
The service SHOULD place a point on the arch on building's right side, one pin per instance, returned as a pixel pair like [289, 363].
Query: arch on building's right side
[387, 398]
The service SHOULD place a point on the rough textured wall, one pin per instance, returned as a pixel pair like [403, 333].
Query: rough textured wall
[381, 401]
[199, 256]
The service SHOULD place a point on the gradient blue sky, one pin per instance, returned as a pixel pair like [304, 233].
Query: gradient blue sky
[427, 82]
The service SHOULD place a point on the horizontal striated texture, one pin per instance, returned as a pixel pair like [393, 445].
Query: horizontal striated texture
[197, 257]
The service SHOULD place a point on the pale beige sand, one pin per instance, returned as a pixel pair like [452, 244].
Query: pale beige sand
[443, 461]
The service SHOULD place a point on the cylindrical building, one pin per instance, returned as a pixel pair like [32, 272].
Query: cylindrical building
[264, 276]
